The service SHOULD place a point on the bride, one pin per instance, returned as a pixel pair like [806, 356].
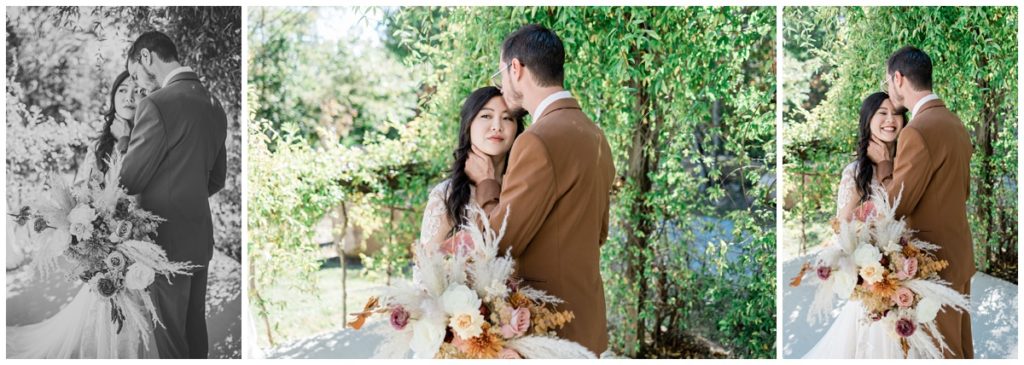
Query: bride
[850, 336]
[487, 126]
[83, 329]
[117, 125]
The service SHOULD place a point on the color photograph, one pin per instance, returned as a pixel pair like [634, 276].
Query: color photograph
[900, 173]
[511, 182]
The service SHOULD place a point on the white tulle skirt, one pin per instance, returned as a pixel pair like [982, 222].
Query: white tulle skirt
[850, 337]
[82, 329]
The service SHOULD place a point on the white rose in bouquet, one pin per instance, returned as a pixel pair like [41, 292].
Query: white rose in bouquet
[139, 276]
[866, 255]
[927, 309]
[844, 284]
[872, 273]
[81, 221]
[427, 336]
[463, 308]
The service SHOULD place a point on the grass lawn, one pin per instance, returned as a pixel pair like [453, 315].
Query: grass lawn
[313, 308]
[790, 244]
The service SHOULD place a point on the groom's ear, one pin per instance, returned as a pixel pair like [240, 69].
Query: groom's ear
[145, 57]
[517, 67]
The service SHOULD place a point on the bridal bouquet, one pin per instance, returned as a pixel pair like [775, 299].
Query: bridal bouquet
[105, 237]
[469, 305]
[876, 260]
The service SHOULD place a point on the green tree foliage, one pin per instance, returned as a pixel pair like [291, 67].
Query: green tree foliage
[842, 52]
[689, 115]
[339, 129]
[61, 61]
[326, 80]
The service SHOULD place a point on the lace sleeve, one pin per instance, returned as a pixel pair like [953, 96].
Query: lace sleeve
[847, 195]
[435, 224]
[87, 168]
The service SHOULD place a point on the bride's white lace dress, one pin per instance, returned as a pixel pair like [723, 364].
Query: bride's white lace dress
[436, 226]
[851, 335]
[82, 329]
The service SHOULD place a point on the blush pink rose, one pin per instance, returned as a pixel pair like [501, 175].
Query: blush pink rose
[865, 211]
[903, 297]
[518, 325]
[909, 269]
[509, 354]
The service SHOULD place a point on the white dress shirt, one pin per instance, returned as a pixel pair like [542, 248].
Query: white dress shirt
[921, 102]
[548, 100]
[175, 72]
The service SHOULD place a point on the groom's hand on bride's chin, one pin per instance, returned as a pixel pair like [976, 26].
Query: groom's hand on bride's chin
[878, 152]
[478, 166]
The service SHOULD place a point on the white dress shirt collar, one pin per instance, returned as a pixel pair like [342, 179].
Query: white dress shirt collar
[920, 103]
[173, 73]
[547, 102]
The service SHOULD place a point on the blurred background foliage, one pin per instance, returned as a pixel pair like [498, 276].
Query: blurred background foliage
[351, 127]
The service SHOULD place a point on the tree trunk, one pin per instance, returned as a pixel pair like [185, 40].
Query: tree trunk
[984, 182]
[255, 292]
[391, 240]
[642, 162]
[339, 247]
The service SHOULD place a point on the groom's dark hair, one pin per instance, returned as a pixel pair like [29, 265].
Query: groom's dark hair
[540, 50]
[157, 43]
[914, 64]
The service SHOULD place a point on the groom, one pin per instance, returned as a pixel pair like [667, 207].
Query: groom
[932, 167]
[556, 188]
[175, 162]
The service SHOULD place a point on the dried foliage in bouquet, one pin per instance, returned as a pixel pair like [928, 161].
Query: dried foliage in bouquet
[469, 305]
[876, 260]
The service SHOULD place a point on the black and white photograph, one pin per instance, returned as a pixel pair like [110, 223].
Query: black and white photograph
[123, 152]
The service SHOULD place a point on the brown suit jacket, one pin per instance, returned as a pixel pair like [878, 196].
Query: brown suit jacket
[556, 190]
[932, 165]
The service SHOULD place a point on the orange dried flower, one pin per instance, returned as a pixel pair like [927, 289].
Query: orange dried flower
[485, 346]
[519, 300]
[910, 250]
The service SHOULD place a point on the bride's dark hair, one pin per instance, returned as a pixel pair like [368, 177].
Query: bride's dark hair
[105, 144]
[865, 167]
[458, 182]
